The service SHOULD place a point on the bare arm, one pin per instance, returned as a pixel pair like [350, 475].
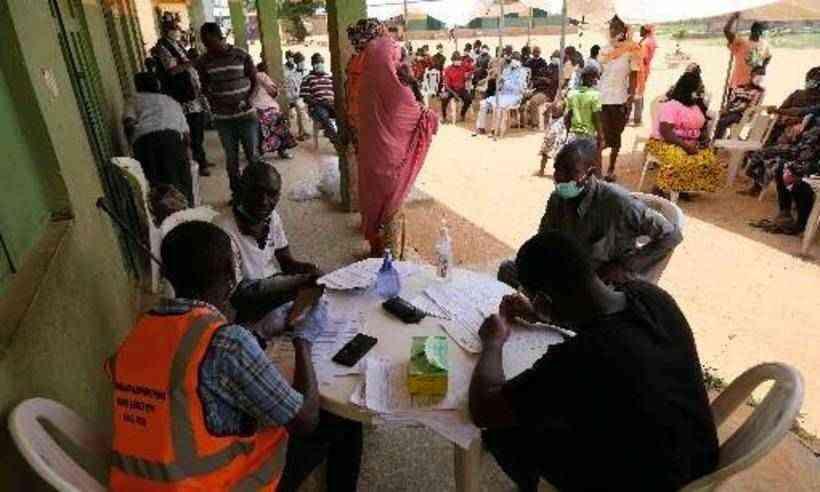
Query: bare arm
[488, 407]
[304, 381]
[664, 238]
[730, 30]
[291, 266]
[599, 130]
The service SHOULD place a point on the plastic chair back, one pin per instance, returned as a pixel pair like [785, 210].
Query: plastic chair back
[132, 170]
[43, 453]
[761, 128]
[674, 215]
[432, 81]
[766, 426]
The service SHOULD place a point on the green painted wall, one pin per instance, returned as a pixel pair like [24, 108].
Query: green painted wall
[86, 301]
[24, 208]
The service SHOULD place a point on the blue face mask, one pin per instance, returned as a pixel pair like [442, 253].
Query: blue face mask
[568, 190]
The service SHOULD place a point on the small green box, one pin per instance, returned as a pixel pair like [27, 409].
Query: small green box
[428, 369]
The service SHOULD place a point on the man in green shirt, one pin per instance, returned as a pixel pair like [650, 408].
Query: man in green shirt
[584, 108]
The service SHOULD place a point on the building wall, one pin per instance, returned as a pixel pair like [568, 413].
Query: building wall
[85, 301]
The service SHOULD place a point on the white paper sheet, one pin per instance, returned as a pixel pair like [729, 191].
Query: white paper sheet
[385, 388]
[338, 332]
[362, 274]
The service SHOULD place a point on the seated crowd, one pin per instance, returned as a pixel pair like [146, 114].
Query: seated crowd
[225, 416]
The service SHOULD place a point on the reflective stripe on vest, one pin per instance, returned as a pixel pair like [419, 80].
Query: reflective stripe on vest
[265, 474]
[187, 464]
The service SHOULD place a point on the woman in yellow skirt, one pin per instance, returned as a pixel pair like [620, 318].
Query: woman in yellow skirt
[675, 141]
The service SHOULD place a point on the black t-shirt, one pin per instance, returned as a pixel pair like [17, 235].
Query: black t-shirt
[622, 406]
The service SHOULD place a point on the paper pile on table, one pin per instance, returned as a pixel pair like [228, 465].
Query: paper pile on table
[362, 274]
[338, 332]
[383, 390]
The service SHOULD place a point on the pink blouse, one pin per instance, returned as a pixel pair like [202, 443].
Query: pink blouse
[262, 99]
[688, 121]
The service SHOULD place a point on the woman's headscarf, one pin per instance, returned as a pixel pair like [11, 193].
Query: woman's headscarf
[364, 31]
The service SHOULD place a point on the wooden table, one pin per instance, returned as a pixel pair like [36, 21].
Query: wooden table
[394, 342]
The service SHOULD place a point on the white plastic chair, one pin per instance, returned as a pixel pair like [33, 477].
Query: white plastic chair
[763, 430]
[133, 172]
[812, 226]
[749, 116]
[758, 135]
[674, 215]
[646, 162]
[42, 452]
[195, 183]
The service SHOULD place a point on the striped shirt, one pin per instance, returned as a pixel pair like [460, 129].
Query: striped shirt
[317, 88]
[227, 79]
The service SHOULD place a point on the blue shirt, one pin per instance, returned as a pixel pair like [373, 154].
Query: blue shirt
[240, 387]
[513, 82]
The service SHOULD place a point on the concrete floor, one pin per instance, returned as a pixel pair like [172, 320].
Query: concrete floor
[416, 459]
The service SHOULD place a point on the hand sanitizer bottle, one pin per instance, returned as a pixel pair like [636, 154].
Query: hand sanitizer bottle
[388, 283]
[444, 252]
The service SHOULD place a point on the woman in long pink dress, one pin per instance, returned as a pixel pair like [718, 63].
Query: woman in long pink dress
[394, 136]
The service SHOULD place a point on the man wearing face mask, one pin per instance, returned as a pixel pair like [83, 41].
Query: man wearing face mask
[180, 80]
[293, 85]
[439, 60]
[544, 85]
[270, 276]
[317, 91]
[604, 218]
[631, 375]
[455, 86]
[510, 92]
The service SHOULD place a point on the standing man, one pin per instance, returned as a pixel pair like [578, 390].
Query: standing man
[159, 135]
[198, 405]
[228, 77]
[317, 91]
[454, 85]
[630, 376]
[180, 81]
[439, 60]
[648, 47]
[593, 59]
[293, 85]
[621, 61]
[747, 53]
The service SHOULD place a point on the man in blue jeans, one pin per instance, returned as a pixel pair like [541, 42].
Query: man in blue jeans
[228, 77]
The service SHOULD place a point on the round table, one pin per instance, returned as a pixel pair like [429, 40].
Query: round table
[394, 342]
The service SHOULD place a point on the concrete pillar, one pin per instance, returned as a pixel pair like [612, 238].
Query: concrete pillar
[238, 24]
[196, 17]
[267, 12]
[340, 15]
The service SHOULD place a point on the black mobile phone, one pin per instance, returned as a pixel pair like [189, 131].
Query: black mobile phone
[403, 310]
[354, 350]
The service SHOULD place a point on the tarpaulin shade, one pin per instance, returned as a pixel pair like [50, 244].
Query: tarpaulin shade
[450, 12]
[656, 12]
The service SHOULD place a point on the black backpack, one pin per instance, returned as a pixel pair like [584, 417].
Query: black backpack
[179, 86]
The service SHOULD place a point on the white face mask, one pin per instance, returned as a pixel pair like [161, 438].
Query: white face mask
[515, 63]
[457, 63]
[319, 67]
[555, 61]
[176, 35]
[300, 65]
[759, 80]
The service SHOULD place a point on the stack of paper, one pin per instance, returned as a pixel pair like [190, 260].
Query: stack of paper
[383, 390]
[362, 274]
